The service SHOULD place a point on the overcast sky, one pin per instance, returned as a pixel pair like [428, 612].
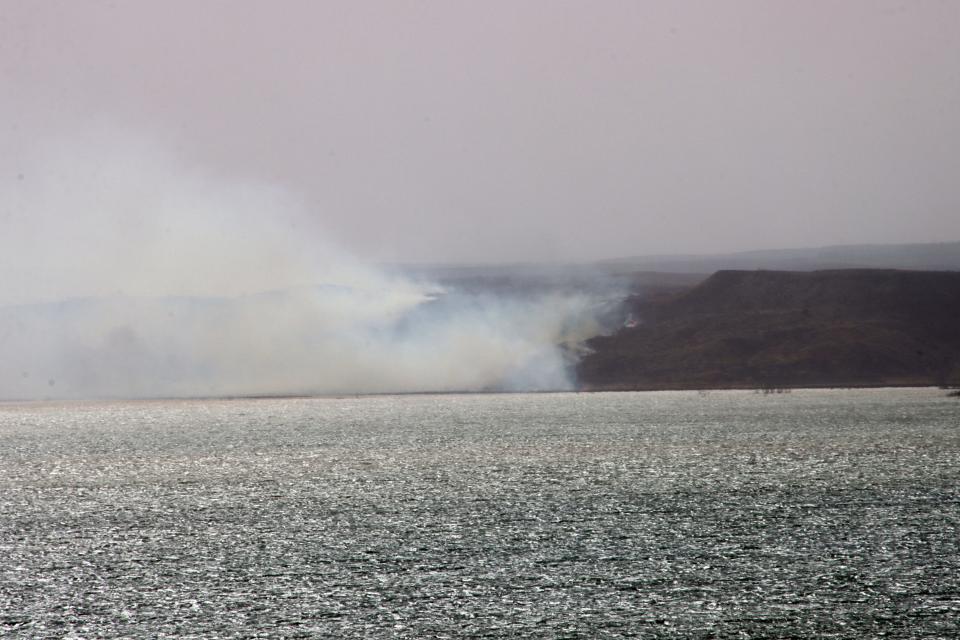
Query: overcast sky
[521, 130]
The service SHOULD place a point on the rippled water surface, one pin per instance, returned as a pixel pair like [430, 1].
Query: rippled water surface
[675, 514]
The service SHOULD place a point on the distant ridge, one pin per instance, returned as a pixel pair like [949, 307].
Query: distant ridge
[771, 329]
[656, 269]
[944, 256]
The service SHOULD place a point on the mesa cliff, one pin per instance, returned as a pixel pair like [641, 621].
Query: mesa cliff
[782, 329]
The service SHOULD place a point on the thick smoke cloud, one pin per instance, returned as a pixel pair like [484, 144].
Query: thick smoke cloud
[128, 272]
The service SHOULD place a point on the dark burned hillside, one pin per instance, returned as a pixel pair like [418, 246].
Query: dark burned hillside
[856, 327]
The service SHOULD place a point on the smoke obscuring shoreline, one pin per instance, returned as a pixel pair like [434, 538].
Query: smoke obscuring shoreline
[130, 273]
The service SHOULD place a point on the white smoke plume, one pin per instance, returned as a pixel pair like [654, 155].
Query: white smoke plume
[127, 272]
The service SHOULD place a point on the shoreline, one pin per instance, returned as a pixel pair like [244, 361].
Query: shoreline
[357, 396]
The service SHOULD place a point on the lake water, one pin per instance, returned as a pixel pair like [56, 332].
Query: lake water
[669, 514]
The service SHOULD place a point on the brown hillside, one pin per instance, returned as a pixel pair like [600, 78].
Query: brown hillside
[855, 327]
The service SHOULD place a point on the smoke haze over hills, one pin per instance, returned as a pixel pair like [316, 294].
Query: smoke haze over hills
[166, 280]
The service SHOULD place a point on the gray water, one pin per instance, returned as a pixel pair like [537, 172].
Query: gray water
[675, 514]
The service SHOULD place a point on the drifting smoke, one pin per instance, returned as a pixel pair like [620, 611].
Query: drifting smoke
[129, 274]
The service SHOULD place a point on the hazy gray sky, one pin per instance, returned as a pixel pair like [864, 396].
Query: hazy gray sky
[482, 131]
